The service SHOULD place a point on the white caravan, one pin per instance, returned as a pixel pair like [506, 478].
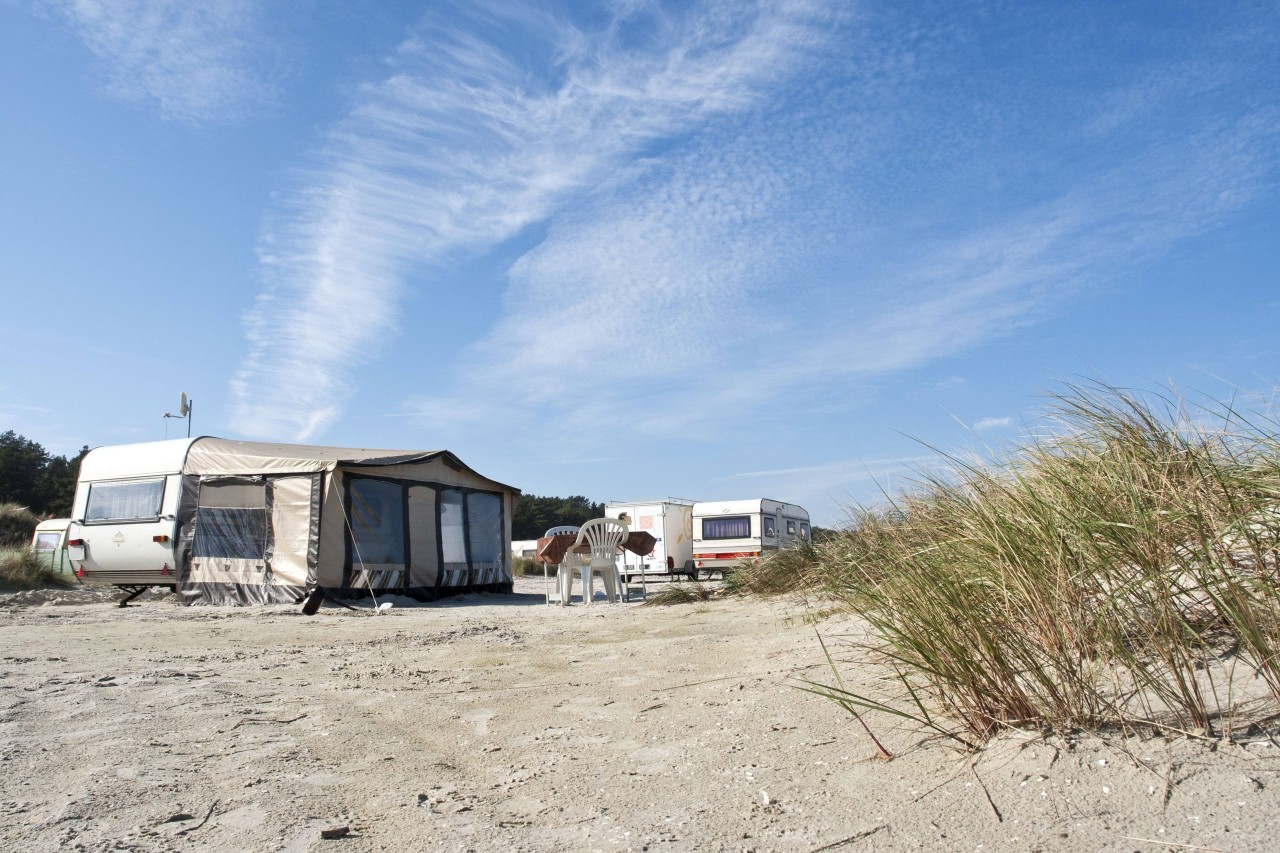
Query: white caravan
[671, 523]
[727, 532]
[49, 542]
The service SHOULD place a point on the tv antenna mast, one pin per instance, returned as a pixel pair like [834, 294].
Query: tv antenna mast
[185, 406]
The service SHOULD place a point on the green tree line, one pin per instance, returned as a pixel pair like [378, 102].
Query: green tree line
[536, 515]
[32, 477]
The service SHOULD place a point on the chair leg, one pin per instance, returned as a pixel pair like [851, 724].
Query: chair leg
[564, 583]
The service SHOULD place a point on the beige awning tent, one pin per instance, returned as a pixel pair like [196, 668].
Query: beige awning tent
[260, 522]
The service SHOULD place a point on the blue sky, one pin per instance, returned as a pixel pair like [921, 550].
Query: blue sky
[631, 249]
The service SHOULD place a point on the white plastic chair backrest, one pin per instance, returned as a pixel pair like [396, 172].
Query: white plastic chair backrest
[603, 536]
[562, 529]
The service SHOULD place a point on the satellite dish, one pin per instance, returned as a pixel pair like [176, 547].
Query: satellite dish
[183, 407]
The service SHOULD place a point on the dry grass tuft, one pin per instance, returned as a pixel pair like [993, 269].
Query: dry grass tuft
[26, 570]
[1119, 571]
[680, 593]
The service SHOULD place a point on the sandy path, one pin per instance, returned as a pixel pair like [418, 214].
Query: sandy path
[495, 723]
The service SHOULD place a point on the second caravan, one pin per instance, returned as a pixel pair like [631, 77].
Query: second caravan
[727, 532]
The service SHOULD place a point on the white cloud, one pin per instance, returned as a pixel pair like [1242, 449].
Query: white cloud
[196, 62]
[458, 149]
[689, 289]
[991, 423]
[705, 255]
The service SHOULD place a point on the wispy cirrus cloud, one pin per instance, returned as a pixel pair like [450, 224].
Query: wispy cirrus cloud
[196, 62]
[734, 216]
[703, 258]
[461, 147]
[984, 424]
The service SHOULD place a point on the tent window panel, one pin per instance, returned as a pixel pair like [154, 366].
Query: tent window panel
[233, 494]
[452, 530]
[377, 522]
[231, 521]
[291, 529]
[135, 501]
[423, 558]
[230, 533]
[484, 511]
[733, 527]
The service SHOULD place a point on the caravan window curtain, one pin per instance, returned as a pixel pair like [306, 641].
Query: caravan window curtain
[377, 522]
[231, 521]
[134, 501]
[733, 527]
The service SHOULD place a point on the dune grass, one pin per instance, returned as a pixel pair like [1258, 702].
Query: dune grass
[1120, 570]
[679, 593]
[23, 569]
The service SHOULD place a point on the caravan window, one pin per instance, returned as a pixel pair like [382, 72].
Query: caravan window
[804, 531]
[791, 527]
[47, 541]
[730, 527]
[231, 521]
[134, 501]
[770, 526]
[377, 522]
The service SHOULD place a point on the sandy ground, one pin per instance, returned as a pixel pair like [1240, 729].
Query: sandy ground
[495, 723]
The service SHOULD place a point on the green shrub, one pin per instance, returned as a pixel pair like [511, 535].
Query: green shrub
[527, 567]
[1116, 571]
[17, 525]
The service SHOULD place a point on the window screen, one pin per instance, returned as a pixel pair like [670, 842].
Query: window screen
[484, 511]
[731, 527]
[133, 501]
[231, 521]
[377, 522]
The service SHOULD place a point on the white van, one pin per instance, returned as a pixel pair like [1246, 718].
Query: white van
[727, 532]
[49, 543]
[670, 522]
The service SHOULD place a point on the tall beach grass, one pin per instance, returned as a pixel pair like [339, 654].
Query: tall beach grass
[1118, 570]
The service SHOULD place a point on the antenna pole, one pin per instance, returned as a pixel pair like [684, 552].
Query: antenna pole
[191, 405]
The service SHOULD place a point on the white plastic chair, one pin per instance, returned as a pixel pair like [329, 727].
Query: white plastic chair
[561, 586]
[603, 537]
